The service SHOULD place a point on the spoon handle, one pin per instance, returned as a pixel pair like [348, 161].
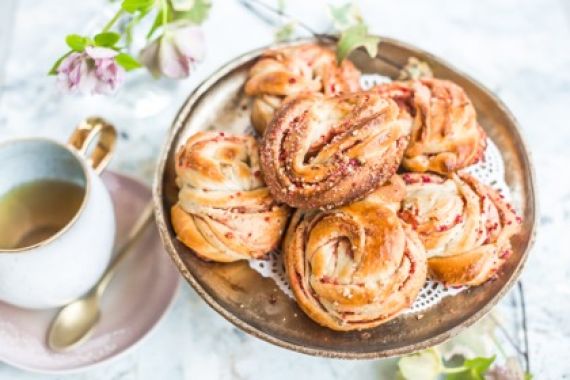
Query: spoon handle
[135, 232]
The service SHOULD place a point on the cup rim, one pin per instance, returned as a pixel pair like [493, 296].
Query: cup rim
[78, 212]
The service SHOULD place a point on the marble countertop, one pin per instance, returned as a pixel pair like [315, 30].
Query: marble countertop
[519, 48]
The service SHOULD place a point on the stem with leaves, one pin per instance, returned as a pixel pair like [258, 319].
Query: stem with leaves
[137, 10]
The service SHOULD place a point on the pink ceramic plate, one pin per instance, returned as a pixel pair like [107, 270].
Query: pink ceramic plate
[138, 297]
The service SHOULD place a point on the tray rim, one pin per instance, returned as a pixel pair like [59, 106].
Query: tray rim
[157, 192]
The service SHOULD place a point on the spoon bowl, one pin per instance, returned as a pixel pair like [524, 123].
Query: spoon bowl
[75, 323]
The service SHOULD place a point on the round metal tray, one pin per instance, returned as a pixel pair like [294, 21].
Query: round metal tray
[255, 304]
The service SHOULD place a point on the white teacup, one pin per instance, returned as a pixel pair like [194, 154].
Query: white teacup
[65, 264]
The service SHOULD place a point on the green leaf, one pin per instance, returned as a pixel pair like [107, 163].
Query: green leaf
[480, 364]
[463, 375]
[198, 14]
[472, 369]
[528, 376]
[345, 15]
[354, 37]
[425, 364]
[132, 6]
[127, 62]
[76, 42]
[466, 374]
[107, 39]
[53, 70]
[285, 32]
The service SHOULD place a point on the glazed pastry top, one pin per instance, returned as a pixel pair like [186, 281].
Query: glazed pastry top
[460, 222]
[225, 212]
[298, 69]
[356, 266]
[322, 152]
[445, 134]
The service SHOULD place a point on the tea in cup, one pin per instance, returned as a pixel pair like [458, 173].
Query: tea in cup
[57, 224]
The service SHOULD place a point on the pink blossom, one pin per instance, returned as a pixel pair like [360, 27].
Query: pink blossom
[93, 71]
[175, 53]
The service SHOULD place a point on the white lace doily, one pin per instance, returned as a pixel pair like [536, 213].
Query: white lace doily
[490, 171]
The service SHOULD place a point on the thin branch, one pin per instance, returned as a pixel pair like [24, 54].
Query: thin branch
[508, 336]
[252, 4]
[525, 327]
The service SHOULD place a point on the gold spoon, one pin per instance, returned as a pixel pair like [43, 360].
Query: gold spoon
[75, 322]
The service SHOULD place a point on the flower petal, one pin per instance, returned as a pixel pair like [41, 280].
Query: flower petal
[82, 73]
[97, 52]
[149, 57]
[190, 42]
[172, 64]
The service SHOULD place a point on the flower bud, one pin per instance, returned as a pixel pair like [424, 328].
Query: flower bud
[175, 53]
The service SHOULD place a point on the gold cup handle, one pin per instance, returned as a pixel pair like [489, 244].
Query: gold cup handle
[84, 135]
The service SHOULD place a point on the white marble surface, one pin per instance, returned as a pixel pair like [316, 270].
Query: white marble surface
[518, 48]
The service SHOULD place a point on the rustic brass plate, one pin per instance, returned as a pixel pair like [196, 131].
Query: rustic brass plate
[256, 305]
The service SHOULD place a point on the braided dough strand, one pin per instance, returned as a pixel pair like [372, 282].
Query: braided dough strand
[282, 74]
[464, 225]
[224, 211]
[445, 134]
[357, 266]
[325, 152]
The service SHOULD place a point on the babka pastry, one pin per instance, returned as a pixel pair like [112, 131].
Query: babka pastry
[326, 152]
[284, 73]
[224, 211]
[357, 266]
[464, 225]
[445, 134]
